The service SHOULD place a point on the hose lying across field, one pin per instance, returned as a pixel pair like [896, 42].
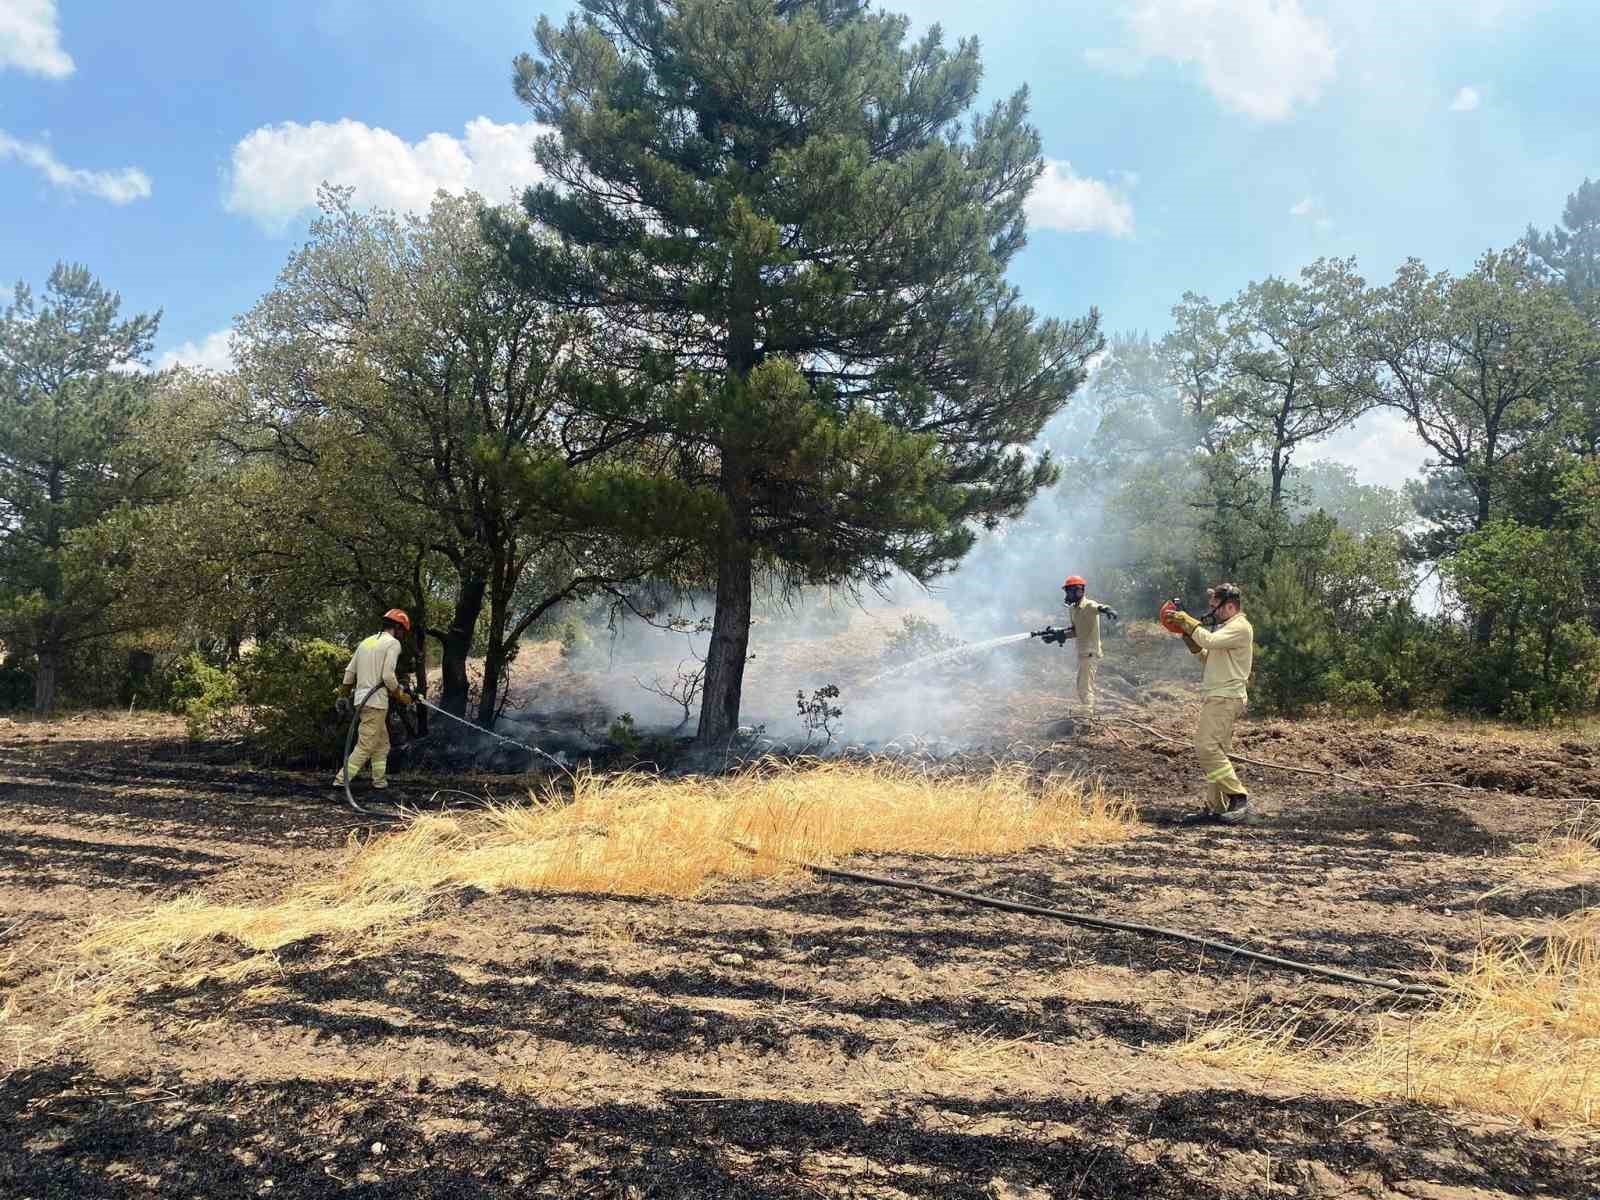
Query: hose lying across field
[1085, 920]
[1089, 921]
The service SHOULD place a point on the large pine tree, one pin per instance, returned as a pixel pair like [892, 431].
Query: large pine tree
[71, 397]
[777, 200]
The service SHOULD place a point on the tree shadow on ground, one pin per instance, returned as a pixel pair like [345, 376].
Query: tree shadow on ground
[41, 861]
[69, 1132]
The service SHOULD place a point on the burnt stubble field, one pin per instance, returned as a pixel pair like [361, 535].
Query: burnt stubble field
[779, 1037]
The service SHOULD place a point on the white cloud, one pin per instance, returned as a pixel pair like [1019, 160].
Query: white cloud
[1258, 57]
[30, 39]
[1381, 447]
[1310, 207]
[1075, 203]
[277, 169]
[214, 352]
[1466, 100]
[122, 186]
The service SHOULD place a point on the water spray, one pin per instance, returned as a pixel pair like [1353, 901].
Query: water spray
[948, 655]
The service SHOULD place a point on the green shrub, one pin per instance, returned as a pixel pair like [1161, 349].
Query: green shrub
[1361, 697]
[279, 697]
[1294, 640]
[287, 690]
[16, 686]
[207, 697]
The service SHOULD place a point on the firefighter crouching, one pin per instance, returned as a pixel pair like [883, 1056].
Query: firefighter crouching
[373, 664]
[1227, 650]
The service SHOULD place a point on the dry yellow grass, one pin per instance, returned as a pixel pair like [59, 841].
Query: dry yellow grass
[620, 835]
[1574, 845]
[1517, 1034]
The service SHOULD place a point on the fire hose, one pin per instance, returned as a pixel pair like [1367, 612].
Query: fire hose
[1084, 920]
[1089, 921]
[355, 720]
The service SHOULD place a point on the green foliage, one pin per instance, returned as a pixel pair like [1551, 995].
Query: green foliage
[624, 734]
[72, 470]
[1295, 644]
[16, 686]
[279, 697]
[202, 691]
[780, 208]
[1526, 587]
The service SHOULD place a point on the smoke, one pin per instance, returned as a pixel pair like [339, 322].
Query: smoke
[616, 663]
[1118, 517]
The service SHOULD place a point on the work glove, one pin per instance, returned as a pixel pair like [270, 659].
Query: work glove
[1175, 620]
[1108, 611]
[402, 696]
[342, 706]
[345, 689]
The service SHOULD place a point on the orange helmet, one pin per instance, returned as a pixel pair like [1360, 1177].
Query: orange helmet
[1075, 581]
[398, 616]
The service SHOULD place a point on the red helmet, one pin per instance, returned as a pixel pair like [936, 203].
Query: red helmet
[398, 616]
[1075, 581]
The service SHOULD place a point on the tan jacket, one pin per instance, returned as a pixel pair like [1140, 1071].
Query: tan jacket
[1228, 652]
[1086, 624]
[373, 663]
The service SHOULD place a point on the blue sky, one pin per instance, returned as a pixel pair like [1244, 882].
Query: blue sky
[1195, 144]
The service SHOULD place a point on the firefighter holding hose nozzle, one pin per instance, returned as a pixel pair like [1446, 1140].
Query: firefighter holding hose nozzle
[1084, 633]
[371, 680]
[1227, 650]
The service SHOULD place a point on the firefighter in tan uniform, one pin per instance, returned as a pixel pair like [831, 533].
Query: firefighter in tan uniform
[1228, 651]
[1085, 635]
[371, 680]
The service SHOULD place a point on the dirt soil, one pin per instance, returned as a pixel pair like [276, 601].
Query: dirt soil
[776, 1039]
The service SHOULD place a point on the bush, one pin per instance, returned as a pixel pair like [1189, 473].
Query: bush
[16, 686]
[916, 638]
[280, 696]
[1358, 696]
[287, 688]
[205, 695]
[1295, 646]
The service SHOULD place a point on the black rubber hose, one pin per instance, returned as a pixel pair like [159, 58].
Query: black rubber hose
[1092, 922]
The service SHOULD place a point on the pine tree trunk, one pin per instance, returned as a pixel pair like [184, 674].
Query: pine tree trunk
[48, 679]
[730, 643]
[458, 644]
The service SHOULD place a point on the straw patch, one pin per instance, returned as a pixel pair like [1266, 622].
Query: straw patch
[635, 835]
[1516, 1034]
[1574, 845]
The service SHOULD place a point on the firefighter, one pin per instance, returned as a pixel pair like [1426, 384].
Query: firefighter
[373, 664]
[1085, 633]
[1227, 651]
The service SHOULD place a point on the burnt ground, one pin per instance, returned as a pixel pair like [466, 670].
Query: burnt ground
[780, 1038]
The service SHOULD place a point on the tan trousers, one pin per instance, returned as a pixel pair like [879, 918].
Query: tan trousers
[1213, 738]
[1088, 666]
[372, 743]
